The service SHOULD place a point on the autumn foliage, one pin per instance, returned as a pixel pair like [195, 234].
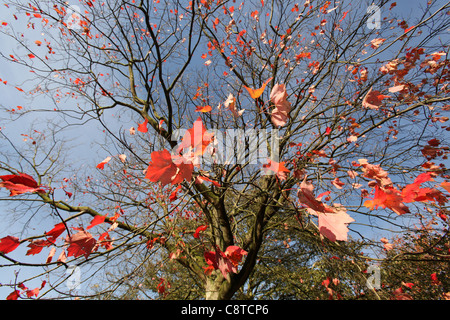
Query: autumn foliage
[250, 150]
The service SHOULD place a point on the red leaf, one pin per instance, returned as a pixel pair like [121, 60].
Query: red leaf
[344, 15]
[36, 246]
[20, 183]
[20, 89]
[306, 197]
[200, 229]
[235, 254]
[373, 99]
[8, 244]
[226, 261]
[387, 198]
[409, 29]
[173, 195]
[375, 43]
[50, 255]
[97, 220]
[31, 56]
[184, 172]
[80, 243]
[56, 231]
[199, 179]
[13, 295]
[161, 167]
[33, 292]
[101, 165]
[230, 104]
[142, 127]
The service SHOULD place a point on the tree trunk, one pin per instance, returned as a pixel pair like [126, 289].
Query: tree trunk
[217, 288]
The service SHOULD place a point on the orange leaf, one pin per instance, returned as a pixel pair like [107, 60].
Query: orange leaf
[203, 109]
[446, 185]
[256, 93]
[409, 29]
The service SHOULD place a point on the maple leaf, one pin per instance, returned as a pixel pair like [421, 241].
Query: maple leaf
[50, 255]
[337, 183]
[198, 230]
[197, 138]
[98, 219]
[142, 127]
[387, 198]
[101, 165]
[373, 99]
[184, 172]
[372, 171]
[332, 220]
[173, 196]
[397, 88]
[306, 197]
[8, 244]
[235, 254]
[33, 292]
[105, 241]
[13, 295]
[226, 261]
[446, 185]
[80, 243]
[20, 183]
[36, 246]
[278, 168]
[161, 167]
[256, 93]
[278, 96]
[203, 108]
[375, 43]
[56, 231]
[334, 225]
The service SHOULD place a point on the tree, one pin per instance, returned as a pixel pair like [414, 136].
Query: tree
[225, 132]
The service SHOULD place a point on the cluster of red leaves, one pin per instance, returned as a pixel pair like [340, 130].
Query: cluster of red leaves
[16, 294]
[77, 244]
[226, 261]
[174, 169]
[387, 196]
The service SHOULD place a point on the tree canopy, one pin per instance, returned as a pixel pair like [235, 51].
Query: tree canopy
[222, 149]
